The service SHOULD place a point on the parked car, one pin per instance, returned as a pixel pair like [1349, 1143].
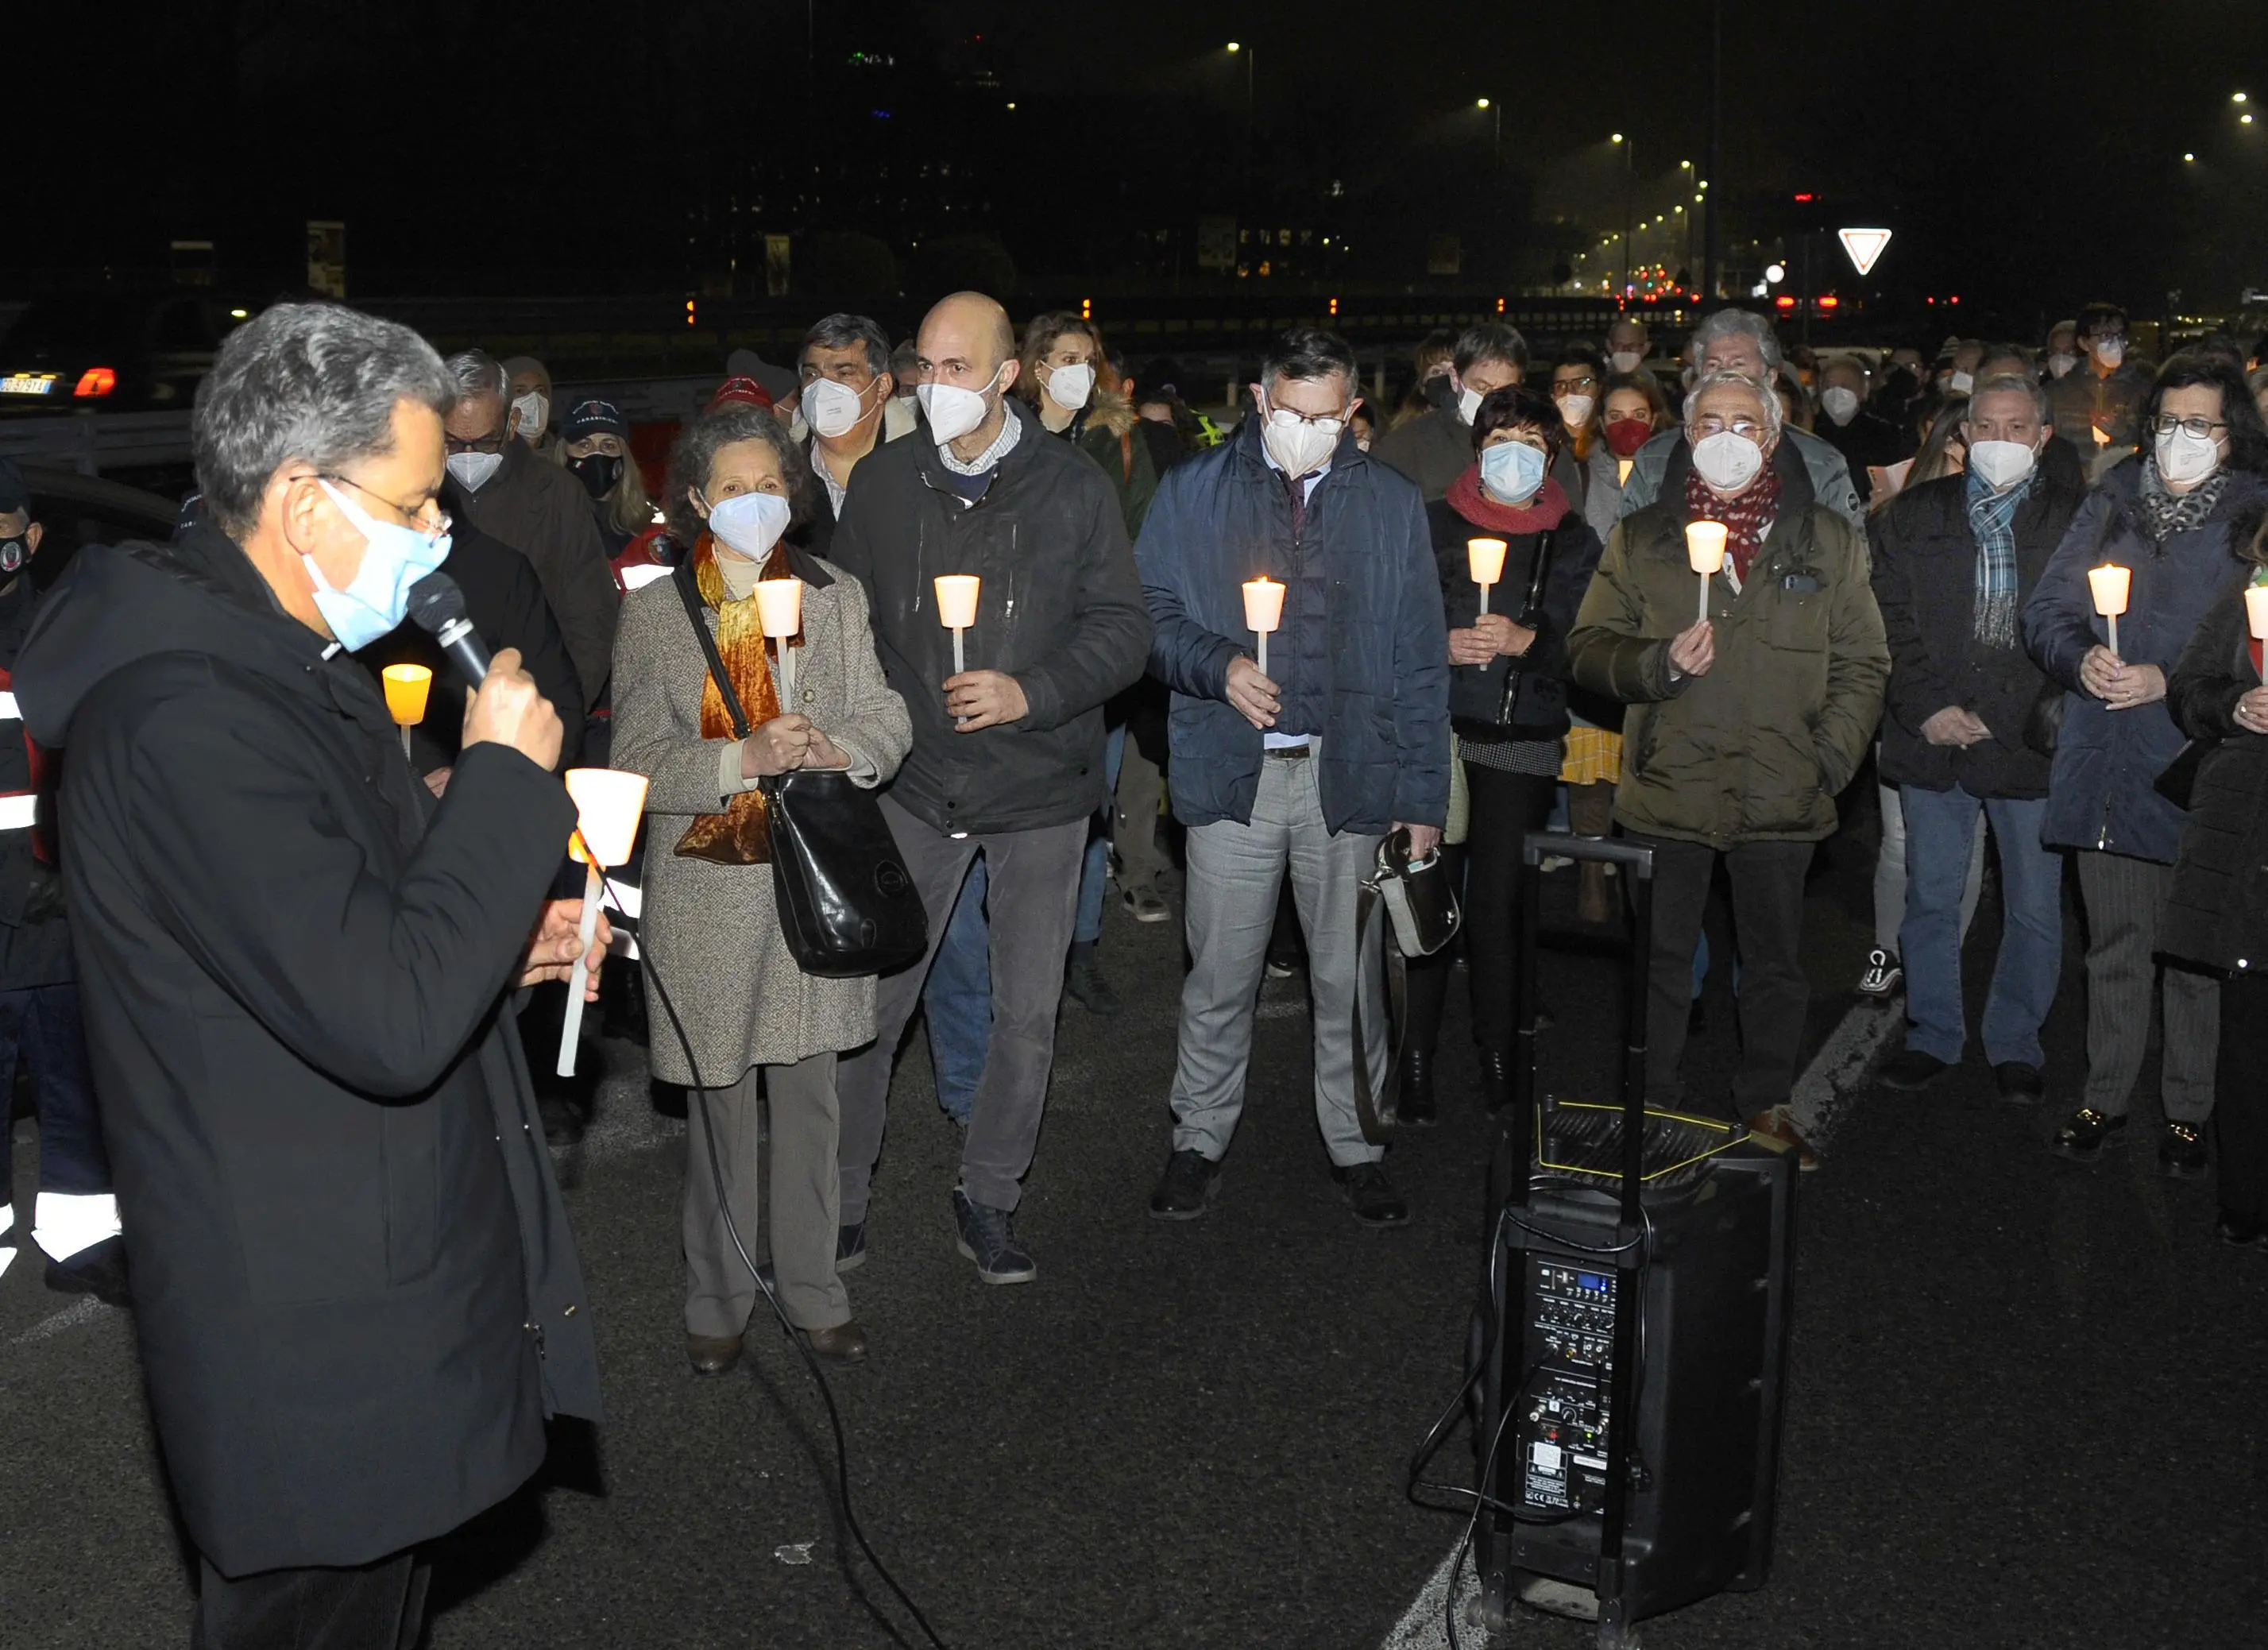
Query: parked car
[144, 351]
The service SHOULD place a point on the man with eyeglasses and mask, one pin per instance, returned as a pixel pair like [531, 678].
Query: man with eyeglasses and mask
[2095, 402]
[1743, 726]
[849, 404]
[358, 1299]
[1007, 752]
[1735, 341]
[1436, 447]
[1306, 767]
[499, 484]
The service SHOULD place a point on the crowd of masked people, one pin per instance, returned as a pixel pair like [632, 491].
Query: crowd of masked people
[1906, 579]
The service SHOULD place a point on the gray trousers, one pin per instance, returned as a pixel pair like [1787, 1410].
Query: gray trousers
[2125, 900]
[719, 1293]
[1234, 874]
[1033, 893]
[1135, 830]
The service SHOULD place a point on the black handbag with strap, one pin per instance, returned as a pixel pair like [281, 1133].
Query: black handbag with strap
[1420, 914]
[847, 905]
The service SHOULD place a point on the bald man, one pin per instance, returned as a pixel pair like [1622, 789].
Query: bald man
[1007, 753]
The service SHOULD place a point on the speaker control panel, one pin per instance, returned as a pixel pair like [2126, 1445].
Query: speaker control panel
[1560, 1427]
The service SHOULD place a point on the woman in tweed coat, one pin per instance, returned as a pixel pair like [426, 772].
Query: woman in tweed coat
[710, 930]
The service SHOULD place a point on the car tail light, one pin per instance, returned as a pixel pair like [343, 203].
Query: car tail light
[96, 380]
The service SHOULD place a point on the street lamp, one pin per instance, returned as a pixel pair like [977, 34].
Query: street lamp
[1495, 112]
[1630, 200]
[1250, 54]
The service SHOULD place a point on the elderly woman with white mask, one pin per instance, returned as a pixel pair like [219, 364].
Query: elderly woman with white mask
[1753, 688]
[710, 929]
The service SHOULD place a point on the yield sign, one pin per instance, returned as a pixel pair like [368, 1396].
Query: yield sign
[1864, 245]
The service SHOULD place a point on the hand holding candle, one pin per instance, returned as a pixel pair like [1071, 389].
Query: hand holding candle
[956, 610]
[1705, 553]
[607, 804]
[779, 604]
[406, 687]
[1264, 612]
[2111, 584]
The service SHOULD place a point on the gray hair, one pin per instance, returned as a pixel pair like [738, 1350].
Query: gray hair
[2009, 383]
[478, 372]
[1490, 340]
[1765, 398]
[315, 382]
[695, 452]
[1724, 324]
[840, 331]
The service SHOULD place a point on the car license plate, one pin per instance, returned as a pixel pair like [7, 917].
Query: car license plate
[28, 384]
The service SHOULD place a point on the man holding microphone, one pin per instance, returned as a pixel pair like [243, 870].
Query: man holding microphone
[360, 1299]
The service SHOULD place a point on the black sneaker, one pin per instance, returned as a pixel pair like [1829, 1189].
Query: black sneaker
[1883, 974]
[850, 1247]
[1192, 1181]
[1909, 1069]
[1417, 1103]
[2084, 1137]
[2181, 1151]
[1085, 983]
[2020, 1083]
[1372, 1196]
[987, 1236]
[2238, 1231]
[98, 1270]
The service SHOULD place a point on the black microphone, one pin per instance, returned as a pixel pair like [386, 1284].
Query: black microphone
[439, 607]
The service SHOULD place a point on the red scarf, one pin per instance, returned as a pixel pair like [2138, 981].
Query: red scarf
[1539, 514]
[1745, 517]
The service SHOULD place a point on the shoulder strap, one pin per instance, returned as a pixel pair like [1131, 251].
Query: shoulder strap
[695, 610]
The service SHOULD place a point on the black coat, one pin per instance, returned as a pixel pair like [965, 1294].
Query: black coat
[504, 600]
[2217, 912]
[354, 1285]
[1524, 697]
[1869, 439]
[35, 945]
[1060, 609]
[1925, 585]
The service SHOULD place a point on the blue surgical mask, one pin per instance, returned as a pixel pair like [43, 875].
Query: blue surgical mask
[1511, 471]
[376, 599]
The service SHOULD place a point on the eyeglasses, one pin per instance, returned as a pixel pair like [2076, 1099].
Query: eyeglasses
[1563, 387]
[416, 518]
[2203, 429]
[486, 444]
[1285, 419]
[1711, 424]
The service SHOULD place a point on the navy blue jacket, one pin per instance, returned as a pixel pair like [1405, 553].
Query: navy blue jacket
[2099, 793]
[1363, 656]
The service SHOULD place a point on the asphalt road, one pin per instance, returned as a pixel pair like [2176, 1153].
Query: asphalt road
[2025, 1407]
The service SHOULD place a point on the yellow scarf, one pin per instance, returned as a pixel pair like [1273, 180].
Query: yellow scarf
[741, 835]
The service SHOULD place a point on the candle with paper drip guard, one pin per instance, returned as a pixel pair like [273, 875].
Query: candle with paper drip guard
[2256, 620]
[607, 803]
[1264, 612]
[956, 610]
[1485, 556]
[779, 605]
[1623, 467]
[2111, 584]
[406, 687]
[1705, 553]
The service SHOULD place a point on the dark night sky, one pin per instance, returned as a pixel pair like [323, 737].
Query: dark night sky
[2029, 152]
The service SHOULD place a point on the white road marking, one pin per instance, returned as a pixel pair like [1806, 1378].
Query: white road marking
[85, 1310]
[1817, 1106]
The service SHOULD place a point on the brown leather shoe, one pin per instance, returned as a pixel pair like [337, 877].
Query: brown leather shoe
[845, 1344]
[1772, 1129]
[712, 1354]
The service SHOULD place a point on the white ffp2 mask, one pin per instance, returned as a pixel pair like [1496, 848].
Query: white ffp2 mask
[2001, 464]
[1727, 462]
[1068, 386]
[952, 411]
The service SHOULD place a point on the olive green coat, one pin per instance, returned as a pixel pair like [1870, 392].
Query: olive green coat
[1756, 748]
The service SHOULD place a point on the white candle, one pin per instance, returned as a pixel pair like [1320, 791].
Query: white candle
[2255, 618]
[779, 605]
[2111, 584]
[607, 804]
[1264, 612]
[1486, 558]
[1705, 553]
[956, 610]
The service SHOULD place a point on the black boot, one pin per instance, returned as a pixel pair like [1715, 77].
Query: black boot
[1496, 1079]
[1417, 1103]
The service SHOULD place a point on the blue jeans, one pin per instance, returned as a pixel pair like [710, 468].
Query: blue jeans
[75, 1208]
[958, 999]
[1939, 827]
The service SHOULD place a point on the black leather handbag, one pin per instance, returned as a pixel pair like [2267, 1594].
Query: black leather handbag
[847, 905]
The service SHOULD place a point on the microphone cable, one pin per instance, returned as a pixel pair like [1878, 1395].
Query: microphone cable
[700, 1100]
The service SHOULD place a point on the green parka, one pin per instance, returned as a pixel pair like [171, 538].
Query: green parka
[1756, 748]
